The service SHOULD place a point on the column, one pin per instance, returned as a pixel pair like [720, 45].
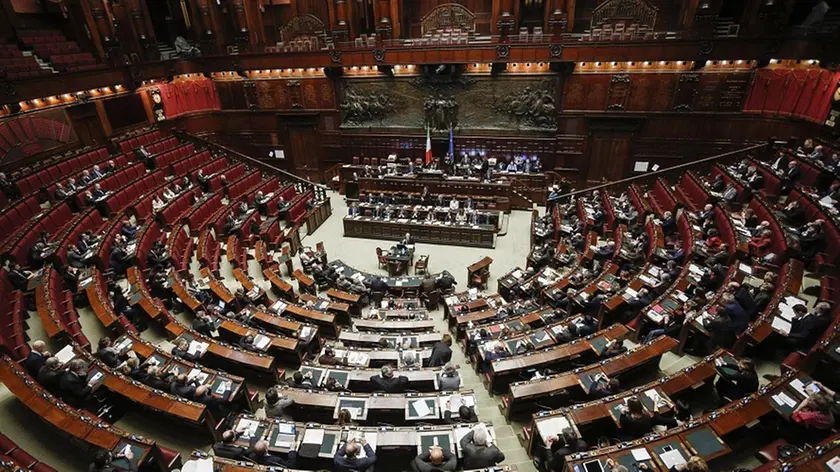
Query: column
[341, 28]
[383, 19]
[505, 21]
[239, 19]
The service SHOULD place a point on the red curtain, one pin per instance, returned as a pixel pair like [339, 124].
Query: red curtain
[792, 92]
[189, 96]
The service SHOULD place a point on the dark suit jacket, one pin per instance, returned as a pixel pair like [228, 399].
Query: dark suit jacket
[441, 354]
[479, 457]
[33, 363]
[74, 388]
[229, 451]
[392, 385]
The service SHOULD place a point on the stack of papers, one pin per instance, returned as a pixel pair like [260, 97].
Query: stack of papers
[197, 347]
[781, 325]
[783, 398]
[247, 427]
[261, 341]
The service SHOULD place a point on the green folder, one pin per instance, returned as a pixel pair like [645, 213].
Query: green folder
[412, 411]
[328, 444]
[124, 463]
[443, 440]
[599, 344]
[340, 376]
[705, 442]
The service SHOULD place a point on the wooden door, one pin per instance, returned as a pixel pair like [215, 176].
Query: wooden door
[87, 124]
[304, 148]
[609, 155]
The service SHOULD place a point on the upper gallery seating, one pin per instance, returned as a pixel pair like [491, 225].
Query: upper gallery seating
[15, 65]
[64, 55]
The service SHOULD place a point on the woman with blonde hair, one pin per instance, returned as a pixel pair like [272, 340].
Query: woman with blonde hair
[694, 464]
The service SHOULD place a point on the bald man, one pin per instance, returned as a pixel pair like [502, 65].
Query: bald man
[347, 457]
[36, 358]
[227, 447]
[433, 460]
[259, 454]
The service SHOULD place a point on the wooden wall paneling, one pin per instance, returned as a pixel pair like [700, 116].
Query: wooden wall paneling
[686, 90]
[708, 91]
[619, 91]
[232, 94]
[733, 91]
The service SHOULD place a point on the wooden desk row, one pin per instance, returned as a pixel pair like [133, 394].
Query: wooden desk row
[391, 408]
[357, 379]
[591, 414]
[497, 196]
[503, 371]
[317, 443]
[409, 287]
[373, 338]
[217, 352]
[523, 395]
[431, 233]
[73, 423]
[704, 436]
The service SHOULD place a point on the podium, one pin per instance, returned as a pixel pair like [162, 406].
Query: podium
[478, 273]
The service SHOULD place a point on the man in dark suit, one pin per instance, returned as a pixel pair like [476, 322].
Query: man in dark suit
[441, 352]
[806, 329]
[562, 445]
[794, 214]
[19, 277]
[36, 358]
[347, 456]
[386, 382]
[49, 375]
[736, 380]
[183, 387]
[479, 452]
[259, 454]
[74, 385]
[182, 350]
[7, 187]
[433, 460]
[227, 448]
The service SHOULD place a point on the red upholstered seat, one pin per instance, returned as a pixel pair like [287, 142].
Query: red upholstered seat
[770, 452]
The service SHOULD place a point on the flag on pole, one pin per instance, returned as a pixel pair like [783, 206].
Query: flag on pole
[428, 146]
[451, 144]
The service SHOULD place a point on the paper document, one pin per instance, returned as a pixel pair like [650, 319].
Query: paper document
[672, 458]
[781, 325]
[197, 347]
[357, 435]
[552, 426]
[799, 387]
[641, 454]
[247, 427]
[313, 436]
[261, 342]
[198, 465]
[65, 354]
[421, 408]
[833, 464]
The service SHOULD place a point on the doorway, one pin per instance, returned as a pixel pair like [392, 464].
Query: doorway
[303, 147]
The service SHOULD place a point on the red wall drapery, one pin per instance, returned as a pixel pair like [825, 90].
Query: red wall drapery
[801, 93]
[189, 96]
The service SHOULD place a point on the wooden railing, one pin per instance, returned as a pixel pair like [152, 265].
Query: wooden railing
[244, 158]
[701, 164]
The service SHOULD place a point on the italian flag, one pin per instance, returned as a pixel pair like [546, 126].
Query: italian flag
[428, 146]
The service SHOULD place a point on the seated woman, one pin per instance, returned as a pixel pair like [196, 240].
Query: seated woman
[813, 420]
[636, 422]
[759, 245]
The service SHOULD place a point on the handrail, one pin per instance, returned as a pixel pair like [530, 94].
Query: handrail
[630, 180]
[250, 159]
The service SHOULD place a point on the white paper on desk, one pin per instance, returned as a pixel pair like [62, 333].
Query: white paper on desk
[781, 324]
[833, 464]
[65, 354]
[261, 341]
[247, 427]
[516, 274]
[799, 387]
[672, 458]
[223, 387]
[793, 301]
[355, 411]
[198, 465]
[782, 398]
[640, 454]
[197, 347]
[421, 408]
[313, 436]
[552, 426]
[682, 296]
[786, 312]
[655, 398]
[629, 293]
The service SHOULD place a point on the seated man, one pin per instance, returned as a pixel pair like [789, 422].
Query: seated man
[736, 380]
[435, 459]
[479, 452]
[227, 447]
[102, 461]
[182, 350]
[347, 457]
[386, 382]
[259, 454]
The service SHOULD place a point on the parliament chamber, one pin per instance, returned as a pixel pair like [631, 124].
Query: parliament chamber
[419, 235]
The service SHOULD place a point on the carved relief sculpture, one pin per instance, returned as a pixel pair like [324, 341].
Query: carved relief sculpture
[530, 108]
[361, 108]
[441, 112]
[640, 12]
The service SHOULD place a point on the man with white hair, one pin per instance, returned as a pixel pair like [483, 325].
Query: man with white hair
[479, 452]
[36, 358]
[386, 382]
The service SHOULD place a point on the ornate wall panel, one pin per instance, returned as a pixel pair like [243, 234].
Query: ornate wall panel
[232, 94]
[295, 94]
[587, 92]
[507, 103]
